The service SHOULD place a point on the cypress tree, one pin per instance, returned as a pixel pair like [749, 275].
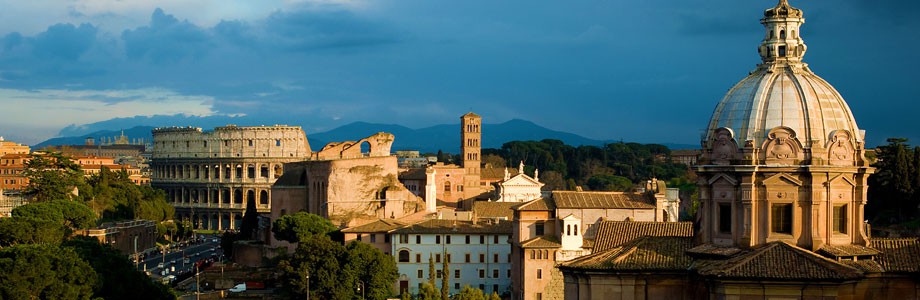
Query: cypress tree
[445, 278]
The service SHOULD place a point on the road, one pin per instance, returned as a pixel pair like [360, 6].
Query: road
[174, 258]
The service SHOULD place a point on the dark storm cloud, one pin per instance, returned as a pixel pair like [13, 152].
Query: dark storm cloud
[649, 71]
[166, 40]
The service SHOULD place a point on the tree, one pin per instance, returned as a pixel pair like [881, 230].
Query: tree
[469, 293]
[53, 177]
[553, 181]
[610, 183]
[431, 270]
[116, 197]
[494, 161]
[116, 275]
[319, 257]
[374, 269]
[300, 226]
[44, 272]
[428, 292]
[19, 231]
[495, 296]
[891, 189]
[445, 278]
[250, 223]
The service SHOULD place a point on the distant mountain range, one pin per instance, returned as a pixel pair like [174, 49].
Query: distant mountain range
[429, 139]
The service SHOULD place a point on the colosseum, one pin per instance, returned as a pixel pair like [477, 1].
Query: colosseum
[210, 176]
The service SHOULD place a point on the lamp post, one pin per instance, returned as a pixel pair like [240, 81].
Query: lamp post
[361, 288]
[308, 285]
[197, 285]
[136, 259]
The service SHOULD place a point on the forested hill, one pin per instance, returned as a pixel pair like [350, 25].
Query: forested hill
[614, 166]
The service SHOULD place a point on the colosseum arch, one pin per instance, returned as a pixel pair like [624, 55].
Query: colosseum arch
[251, 171]
[225, 196]
[238, 196]
[263, 171]
[263, 198]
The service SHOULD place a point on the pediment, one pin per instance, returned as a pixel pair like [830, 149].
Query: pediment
[723, 176]
[522, 179]
[841, 180]
[571, 217]
[783, 179]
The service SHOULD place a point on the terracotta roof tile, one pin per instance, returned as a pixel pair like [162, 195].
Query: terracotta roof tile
[846, 250]
[541, 242]
[612, 234]
[381, 225]
[649, 253]
[898, 255]
[712, 251]
[576, 199]
[487, 209]
[779, 261]
[865, 265]
[536, 204]
[496, 173]
[451, 226]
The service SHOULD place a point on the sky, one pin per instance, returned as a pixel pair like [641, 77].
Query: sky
[645, 71]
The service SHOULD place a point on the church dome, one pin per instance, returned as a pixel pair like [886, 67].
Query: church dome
[783, 92]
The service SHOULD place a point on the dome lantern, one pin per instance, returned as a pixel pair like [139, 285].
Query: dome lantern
[782, 42]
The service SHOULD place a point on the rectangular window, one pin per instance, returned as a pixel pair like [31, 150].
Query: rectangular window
[418, 239]
[250, 143]
[418, 257]
[840, 219]
[467, 258]
[495, 273]
[781, 218]
[457, 274]
[539, 273]
[440, 273]
[386, 238]
[359, 237]
[404, 238]
[437, 258]
[539, 296]
[482, 286]
[725, 218]
[482, 239]
[482, 258]
[437, 239]
[456, 285]
[373, 237]
[447, 239]
[467, 238]
[495, 288]
[495, 257]
[539, 228]
[420, 272]
[509, 273]
[482, 273]
[495, 239]
[448, 258]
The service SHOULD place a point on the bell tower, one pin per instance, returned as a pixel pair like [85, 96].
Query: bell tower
[471, 149]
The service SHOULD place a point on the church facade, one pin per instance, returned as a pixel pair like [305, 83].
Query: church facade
[783, 180]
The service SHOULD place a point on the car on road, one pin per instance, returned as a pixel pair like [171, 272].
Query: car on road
[238, 288]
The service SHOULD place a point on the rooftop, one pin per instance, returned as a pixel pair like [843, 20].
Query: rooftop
[612, 234]
[458, 227]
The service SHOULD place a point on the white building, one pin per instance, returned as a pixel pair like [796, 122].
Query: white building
[479, 254]
[520, 187]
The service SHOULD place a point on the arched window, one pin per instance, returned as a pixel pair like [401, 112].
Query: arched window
[278, 171]
[568, 229]
[782, 34]
[251, 171]
[576, 229]
[447, 186]
[403, 255]
[250, 197]
[539, 254]
[263, 198]
[238, 196]
[239, 171]
[533, 254]
[263, 171]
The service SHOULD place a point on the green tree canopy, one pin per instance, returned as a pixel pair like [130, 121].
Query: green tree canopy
[44, 272]
[300, 226]
[469, 293]
[53, 177]
[19, 231]
[335, 271]
[117, 277]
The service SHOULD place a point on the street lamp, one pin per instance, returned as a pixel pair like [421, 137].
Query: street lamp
[308, 285]
[361, 288]
[136, 259]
